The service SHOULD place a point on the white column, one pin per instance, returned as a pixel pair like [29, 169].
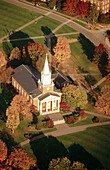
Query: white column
[40, 107]
[58, 106]
[46, 107]
[52, 104]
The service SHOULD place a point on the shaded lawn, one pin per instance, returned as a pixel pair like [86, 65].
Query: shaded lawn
[81, 58]
[90, 147]
[13, 17]
[8, 46]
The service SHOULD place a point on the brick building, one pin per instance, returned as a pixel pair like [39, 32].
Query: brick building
[37, 87]
[102, 5]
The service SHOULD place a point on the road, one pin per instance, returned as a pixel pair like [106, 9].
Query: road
[95, 37]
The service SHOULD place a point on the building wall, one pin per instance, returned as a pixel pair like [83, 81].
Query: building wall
[103, 6]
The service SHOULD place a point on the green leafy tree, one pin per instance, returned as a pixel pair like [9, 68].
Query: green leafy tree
[65, 164]
[93, 13]
[52, 3]
[74, 96]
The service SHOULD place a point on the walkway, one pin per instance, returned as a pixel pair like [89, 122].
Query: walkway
[63, 129]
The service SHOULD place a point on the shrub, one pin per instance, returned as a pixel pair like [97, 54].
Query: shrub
[69, 120]
[64, 106]
[39, 125]
[95, 119]
[75, 117]
[82, 113]
[45, 125]
[50, 123]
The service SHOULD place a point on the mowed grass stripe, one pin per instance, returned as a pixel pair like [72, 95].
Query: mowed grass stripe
[13, 17]
[41, 27]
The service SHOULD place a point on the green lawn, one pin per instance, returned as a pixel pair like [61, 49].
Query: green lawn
[13, 17]
[65, 29]
[43, 26]
[82, 55]
[91, 147]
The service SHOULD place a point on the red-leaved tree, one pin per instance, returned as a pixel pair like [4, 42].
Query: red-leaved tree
[108, 70]
[82, 9]
[70, 6]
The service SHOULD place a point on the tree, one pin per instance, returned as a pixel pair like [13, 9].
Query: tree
[70, 6]
[62, 50]
[3, 61]
[65, 164]
[15, 54]
[52, 3]
[82, 9]
[32, 52]
[40, 64]
[74, 96]
[93, 13]
[12, 118]
[103, 104]
[21, 104]
[106, 90]
[18, 159]
[3, 151]
[99, 51]
[59, 5]
[5, 73]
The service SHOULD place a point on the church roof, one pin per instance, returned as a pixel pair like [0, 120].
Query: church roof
[28, 77]
[47, 94]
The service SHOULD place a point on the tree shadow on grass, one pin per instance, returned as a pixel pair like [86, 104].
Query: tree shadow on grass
[47, 31]
[49, 148]
[87, 46]
[78, 153]
[7, 138]
[7, 46]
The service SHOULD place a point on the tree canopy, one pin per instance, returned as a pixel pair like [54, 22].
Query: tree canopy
[74, 96]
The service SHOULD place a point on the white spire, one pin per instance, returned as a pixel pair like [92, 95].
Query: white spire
[46, 67]
[46, 74]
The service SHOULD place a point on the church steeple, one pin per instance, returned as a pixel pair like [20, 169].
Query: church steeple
[46, 74]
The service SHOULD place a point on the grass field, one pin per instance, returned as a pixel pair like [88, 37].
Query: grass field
[13, 17]
[65, 29]
[90, 147]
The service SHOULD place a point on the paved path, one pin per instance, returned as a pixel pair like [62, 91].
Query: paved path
[63, 129]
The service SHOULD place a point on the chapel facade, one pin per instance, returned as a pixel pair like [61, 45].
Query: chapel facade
[38, 88]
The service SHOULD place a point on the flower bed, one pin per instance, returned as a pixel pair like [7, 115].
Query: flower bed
[75, 117]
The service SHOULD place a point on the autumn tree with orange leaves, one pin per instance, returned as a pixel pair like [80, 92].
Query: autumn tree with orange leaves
[70, 7]
[21, 104]
[3, 151]
[5, 72]
[33, 52]
[108, 70]
[62, 50]
[18, 159]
